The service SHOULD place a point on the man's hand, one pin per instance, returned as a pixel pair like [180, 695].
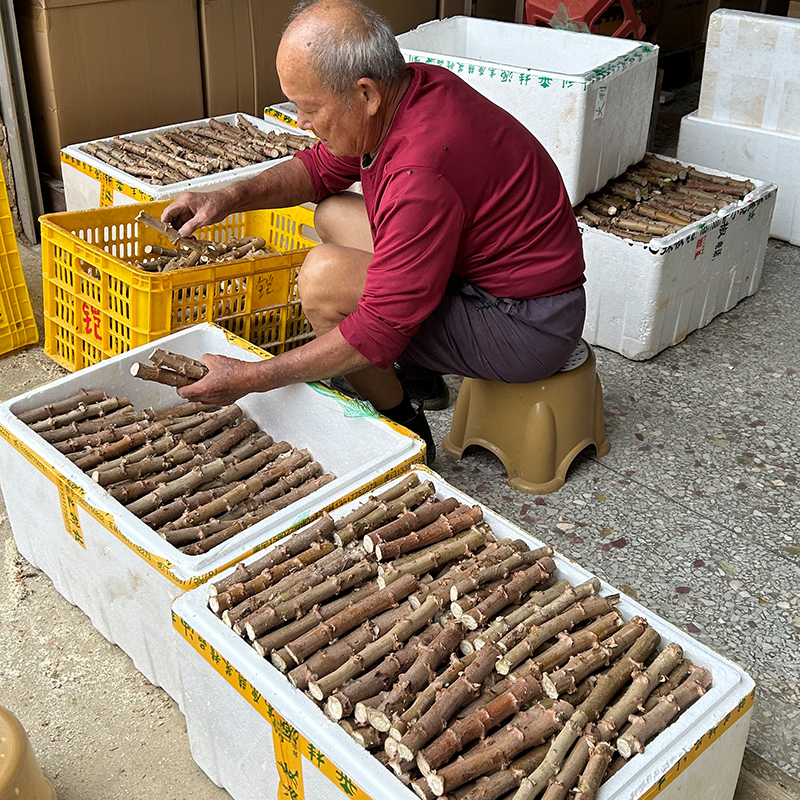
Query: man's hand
[227, 380]
[192, 210]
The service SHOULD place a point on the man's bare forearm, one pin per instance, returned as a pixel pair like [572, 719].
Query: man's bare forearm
[281, 186]
[229, 379]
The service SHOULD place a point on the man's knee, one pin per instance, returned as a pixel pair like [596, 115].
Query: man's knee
[312, 280]
[342, 219]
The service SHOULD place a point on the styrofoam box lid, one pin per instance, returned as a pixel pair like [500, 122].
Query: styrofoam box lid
[730, 682]
[345, 436]
[554, 52]
[157, 191]
[665, 243]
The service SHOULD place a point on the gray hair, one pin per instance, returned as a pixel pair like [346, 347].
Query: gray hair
[365, 47]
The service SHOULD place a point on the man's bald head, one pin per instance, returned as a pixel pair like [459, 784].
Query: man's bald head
[342, 41]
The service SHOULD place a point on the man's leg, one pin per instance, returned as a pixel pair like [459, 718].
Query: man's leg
[332, 281]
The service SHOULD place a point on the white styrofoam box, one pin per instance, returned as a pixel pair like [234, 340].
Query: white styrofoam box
[119, 571]
[642, 298]
[240, 710]
[766, 155]
[283, 112]
[586, 98]
[91, 183]
[751, 71]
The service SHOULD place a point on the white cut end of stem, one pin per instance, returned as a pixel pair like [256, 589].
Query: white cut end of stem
[333, 708]
[379, 720]
[278, 661]
[423, 765]
[624, 748]
[369, 545]
[549, 687]
[404, 752]
[315, 691]
[437, 785]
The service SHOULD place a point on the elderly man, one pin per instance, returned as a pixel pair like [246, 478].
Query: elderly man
[462, 256]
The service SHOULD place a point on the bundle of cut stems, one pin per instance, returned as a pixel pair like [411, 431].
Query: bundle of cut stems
[656, 197]
[189, 251]
[197, 474]
[197, 150]
[460, 661]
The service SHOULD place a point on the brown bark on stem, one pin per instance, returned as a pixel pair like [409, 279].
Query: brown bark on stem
[410, 521]
[443, 528]
[477, 726]
[326, 660]
[83, 398]
[372, 653]
[583, 664]
[527, 729]
[644, 727]
[539, 633]
[521, 583]
[342, 702]
[345, 621]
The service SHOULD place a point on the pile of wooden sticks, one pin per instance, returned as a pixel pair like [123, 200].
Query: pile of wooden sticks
[459, 661]
[197, 150]
[196, 474]
[657, 197]
[189, 251]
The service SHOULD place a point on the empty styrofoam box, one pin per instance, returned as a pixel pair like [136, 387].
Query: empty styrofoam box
[91, 183]
[644, 297]
[751, 71]
[241, 713]
[766, 155]
[586, 98]
[119, 571]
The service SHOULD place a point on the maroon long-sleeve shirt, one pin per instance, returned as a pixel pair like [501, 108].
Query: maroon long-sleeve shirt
[458, 188]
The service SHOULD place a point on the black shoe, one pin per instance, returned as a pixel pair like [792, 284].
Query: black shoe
[342, 385]
[419, 425]
[433, 391]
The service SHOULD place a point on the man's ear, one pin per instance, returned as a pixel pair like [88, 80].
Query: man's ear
[369, 95]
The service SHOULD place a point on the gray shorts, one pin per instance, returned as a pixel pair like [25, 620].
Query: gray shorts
[477, 335]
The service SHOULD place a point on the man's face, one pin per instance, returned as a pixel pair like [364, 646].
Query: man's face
[341, 124]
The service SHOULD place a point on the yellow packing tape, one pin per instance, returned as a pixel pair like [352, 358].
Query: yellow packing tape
[291, 746]
[108, 185]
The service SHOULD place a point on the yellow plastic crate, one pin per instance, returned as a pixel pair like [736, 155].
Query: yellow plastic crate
[97, 304]
[17, 325]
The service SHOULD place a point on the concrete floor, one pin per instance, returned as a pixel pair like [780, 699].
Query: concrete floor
[695, 512]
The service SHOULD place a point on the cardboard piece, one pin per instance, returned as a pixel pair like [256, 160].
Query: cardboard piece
[794, 9]
[97, 67]
[239, 41]
[681, 24]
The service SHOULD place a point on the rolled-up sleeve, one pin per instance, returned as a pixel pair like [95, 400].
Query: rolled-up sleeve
[416, 232]
[329, 174]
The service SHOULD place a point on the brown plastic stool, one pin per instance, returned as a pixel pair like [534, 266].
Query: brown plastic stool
[21, 777]
[535, 429]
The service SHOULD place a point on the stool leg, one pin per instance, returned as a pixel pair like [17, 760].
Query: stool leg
[532, 468]
[453, 443]
[601, 443]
